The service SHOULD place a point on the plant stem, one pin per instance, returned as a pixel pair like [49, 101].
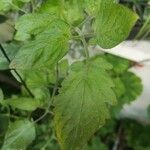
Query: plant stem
[52, 97]
[15, 6]
[83, 42]
[19, 76]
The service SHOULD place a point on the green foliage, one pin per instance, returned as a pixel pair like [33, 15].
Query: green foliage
[6, 5]
[1, 95]
[19, 135]
[4, 120]
[11, 50]
[23, 103]
[131, 82]
[45, 137]
[57, 35]
[113, 24]
[77, 98]
[95, 144]
[86, 97]
[132, 131]
[127, 88]
[120, 65]
[32, 24]
[119, 87]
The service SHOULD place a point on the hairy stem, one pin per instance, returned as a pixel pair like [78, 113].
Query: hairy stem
[83, 42]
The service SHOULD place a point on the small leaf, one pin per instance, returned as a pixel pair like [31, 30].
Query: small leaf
[32, 24]
[119, 64]
[23, 103]
[133, 86]
[113, 24]
[81, 108]
[50, 6]
[73, 12]
[19, 135]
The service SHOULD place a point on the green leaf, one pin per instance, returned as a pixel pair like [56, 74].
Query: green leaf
[32, 24]
[119, 64]
[133, 86]
[113, 24]
[1, 95]
[127, 88]
[4, 122]
[73, 12]
[37, 79]
[81, 108]
[46, 50]
[119, 88]
[63, 68]
[5, 5]
[19, 135]
[23, 103]
[96, 144]
[50, 6]
[11, 50]
[91, 7]
[132, 130]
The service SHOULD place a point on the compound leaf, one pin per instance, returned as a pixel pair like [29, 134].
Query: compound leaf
[82, 105]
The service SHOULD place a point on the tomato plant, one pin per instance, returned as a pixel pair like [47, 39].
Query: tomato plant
[72, 99]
